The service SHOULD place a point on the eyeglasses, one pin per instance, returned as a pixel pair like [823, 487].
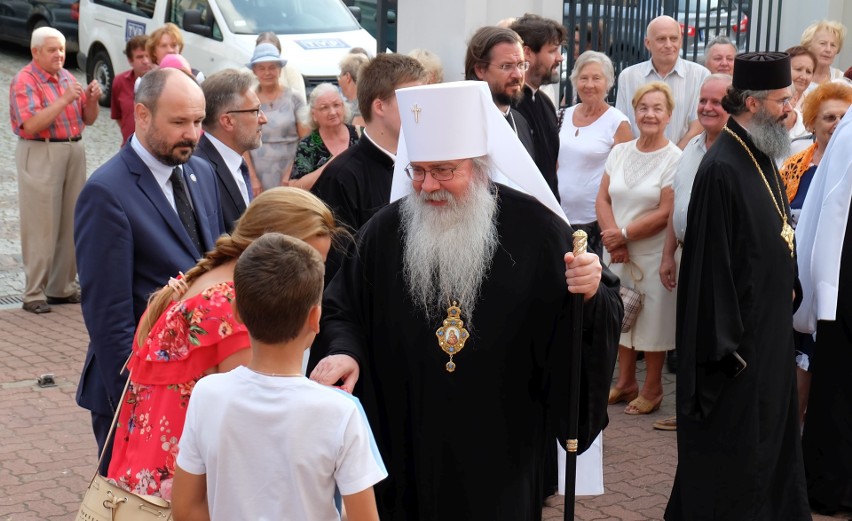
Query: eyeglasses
[831, 118]
[783, 101]
[256, 112]
[441, 173]
[508, 67]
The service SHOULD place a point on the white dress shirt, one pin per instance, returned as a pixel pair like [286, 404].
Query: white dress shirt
[233, 162]
[684, 79]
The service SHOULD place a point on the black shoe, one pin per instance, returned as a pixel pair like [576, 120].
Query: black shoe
[74, 298]
[671, 361]
[39, 307]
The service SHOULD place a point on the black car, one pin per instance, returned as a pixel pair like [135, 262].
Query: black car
[18, 19]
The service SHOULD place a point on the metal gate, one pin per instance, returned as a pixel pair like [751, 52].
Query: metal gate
[617, 27]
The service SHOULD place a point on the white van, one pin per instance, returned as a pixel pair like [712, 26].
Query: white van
[220, 34]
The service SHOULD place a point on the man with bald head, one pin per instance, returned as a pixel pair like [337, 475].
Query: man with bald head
[148, 213]
[663, 40]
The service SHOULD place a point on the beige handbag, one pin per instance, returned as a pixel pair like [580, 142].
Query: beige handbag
[632, 299]
[107, 502]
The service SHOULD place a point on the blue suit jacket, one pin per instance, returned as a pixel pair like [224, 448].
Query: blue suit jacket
[233, 204]
[129, 241]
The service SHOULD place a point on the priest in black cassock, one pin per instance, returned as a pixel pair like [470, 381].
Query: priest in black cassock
[452, 323]
[739, 452]
[543, 41]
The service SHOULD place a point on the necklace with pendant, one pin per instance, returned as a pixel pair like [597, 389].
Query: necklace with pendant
[452, 335]
[787, 232]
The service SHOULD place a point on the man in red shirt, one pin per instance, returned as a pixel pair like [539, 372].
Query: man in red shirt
[122, 86]
[49, 110]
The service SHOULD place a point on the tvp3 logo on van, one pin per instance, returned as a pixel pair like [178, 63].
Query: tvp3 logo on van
[322, 43]
[132, 29]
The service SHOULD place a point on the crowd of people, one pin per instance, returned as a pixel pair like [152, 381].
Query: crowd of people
[256, 233]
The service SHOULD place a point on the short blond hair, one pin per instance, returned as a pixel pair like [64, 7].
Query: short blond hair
[655, 86]
[835, 28]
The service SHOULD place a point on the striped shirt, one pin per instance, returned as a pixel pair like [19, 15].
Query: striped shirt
[685, 81]
[32, 90]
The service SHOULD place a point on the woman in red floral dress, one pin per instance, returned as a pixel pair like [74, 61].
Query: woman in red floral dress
[190, 331]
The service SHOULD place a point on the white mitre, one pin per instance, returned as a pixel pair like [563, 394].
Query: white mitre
[458, 120]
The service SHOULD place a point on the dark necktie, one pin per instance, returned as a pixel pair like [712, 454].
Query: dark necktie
[184, 209]
[246, 178]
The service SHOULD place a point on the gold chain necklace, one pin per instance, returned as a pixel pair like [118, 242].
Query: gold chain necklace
[787, 232]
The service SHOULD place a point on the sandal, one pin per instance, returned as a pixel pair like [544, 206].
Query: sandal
[617, 395]
[667, 424]
[642, 405]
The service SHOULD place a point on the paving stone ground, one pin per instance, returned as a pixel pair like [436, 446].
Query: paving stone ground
[47, 452]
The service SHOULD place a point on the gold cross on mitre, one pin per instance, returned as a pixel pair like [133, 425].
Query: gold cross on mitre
[416, 110]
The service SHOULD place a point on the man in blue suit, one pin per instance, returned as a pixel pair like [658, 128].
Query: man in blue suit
[231, 128]
[149, 212]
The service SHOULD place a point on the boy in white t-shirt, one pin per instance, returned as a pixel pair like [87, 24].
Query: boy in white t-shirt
[263, 442]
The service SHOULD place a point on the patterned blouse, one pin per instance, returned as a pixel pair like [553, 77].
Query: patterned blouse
[190, 337]
[312, 153]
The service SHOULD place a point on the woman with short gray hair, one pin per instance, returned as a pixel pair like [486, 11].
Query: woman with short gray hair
[588, 132]
[325, 115]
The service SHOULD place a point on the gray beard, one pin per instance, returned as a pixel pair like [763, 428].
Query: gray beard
[448, 250]
[769, 136]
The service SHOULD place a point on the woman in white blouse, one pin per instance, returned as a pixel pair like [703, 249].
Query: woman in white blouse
[633, 205]
[588, 132]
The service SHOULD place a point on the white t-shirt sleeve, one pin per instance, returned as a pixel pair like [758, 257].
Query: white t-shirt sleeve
[359, 465]
[189, 453]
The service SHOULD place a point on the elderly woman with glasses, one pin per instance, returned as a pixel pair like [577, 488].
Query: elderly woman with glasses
[588, 132]
[330, 136]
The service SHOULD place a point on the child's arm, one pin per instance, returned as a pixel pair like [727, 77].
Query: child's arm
[189, 496]
[360, 506]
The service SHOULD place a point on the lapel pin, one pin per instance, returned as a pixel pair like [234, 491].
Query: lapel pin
[192, 177]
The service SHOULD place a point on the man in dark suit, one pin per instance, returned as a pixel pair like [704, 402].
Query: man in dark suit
[149, 212]
[231, 127]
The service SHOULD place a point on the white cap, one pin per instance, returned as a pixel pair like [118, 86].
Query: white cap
[459, 120]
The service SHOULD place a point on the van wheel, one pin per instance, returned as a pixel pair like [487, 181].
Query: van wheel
[100, 68]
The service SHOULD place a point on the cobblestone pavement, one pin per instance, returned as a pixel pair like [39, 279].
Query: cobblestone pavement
[47, 452]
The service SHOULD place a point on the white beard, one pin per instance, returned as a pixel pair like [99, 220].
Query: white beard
[448, 250]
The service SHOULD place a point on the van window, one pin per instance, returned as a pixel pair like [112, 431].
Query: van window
[287, 16]
[178, 7]
[138, 7]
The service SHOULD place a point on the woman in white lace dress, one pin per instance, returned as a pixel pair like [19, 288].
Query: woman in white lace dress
[632, 207]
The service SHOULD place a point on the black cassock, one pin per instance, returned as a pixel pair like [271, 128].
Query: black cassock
[739, 452]
[540, 113]
[468, 445]
[355, 186]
